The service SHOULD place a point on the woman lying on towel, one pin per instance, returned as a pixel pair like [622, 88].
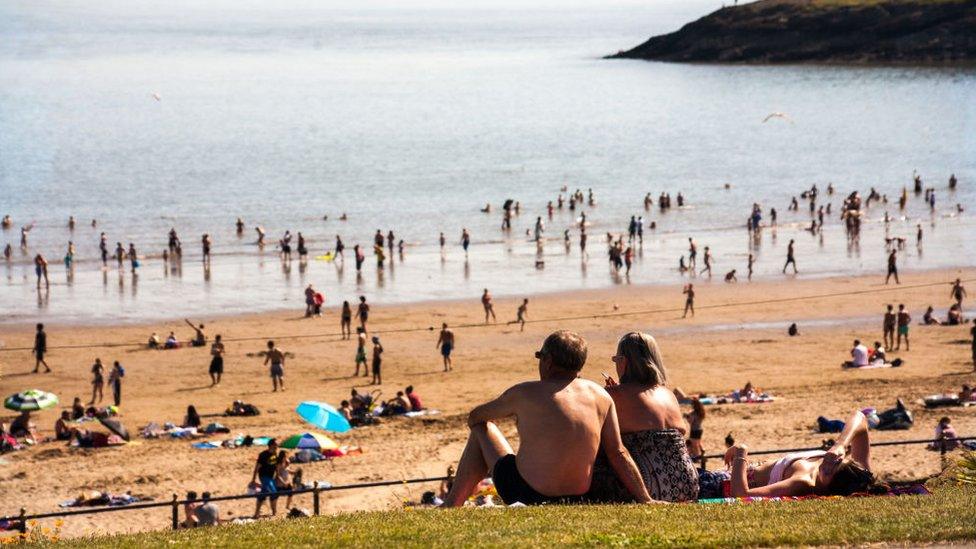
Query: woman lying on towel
[844, 469]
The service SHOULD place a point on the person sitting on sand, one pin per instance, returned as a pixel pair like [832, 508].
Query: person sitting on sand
[955, 315]
[192, 418]
[877, 355]
[171, 342]
[651, 425]
[23, 427]
[189, 509]
[859, 356]
[199, 339]
[61, 429]
[207, 514]
[345, 410]
[154, 342]
[945, 436]
[397, 405]
[842, 470]
[929, 317]
[967, 394]
[695, 418]
[415, 403]
[77, 409]
[562, 421]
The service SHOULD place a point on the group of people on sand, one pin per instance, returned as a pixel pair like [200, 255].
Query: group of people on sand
[362, 409]
[625, 442]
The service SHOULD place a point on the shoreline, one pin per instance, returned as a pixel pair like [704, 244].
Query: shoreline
[331, 311]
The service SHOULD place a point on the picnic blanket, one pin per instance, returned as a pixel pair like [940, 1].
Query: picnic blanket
[733, 398]
[420, 413]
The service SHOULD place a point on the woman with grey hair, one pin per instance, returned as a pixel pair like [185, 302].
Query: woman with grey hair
[651, 426]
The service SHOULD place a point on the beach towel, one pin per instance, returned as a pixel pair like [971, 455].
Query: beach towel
[100, 499]
[420, 413]
[875, 365]
[209, 445]
[907, 490]
[733, 398]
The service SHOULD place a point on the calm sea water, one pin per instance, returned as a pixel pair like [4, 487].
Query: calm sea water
[413, 119]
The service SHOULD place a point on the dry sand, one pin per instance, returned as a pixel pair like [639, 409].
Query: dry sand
[720, 349]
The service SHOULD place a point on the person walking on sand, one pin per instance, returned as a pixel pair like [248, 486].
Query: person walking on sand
[489, 307]
[904, 320]
[446, 343]
[377, 362]
[890, 322]
[345, 322]
[707, 259]
[361, 352]
[892, 266]
[277, 360]
[563, 423]
[520, 314]
[115, 380]
[265, 470]
[40, 348]
[790, 257]
[216, 361]
[40, 269]
[98, 381]
[689, 291]
[362, 313]
[958, 292]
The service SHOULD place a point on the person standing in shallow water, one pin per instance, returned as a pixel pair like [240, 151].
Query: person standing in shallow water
[790, 257]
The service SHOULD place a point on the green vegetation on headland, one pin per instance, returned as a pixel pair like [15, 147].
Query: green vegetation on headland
[823, 31]
[947, 515]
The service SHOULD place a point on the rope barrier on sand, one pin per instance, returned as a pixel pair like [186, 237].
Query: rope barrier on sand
[333, 336]
[20, 520]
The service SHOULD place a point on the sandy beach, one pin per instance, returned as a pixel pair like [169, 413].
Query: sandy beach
[738, 335]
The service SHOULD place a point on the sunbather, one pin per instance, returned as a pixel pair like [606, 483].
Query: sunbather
[651, 425]
[562, 420]
[844, 469]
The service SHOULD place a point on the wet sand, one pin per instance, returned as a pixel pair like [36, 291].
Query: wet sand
[720, 349]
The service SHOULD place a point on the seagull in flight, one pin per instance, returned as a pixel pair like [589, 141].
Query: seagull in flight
[782, 115]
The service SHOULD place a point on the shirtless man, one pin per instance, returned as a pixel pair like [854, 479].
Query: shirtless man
[446, 343]
[489, 308]
[563, 421]
[199, 337]
[692, 254]
[40, 348]
[892, 267]
[217, 360]
[277, 360]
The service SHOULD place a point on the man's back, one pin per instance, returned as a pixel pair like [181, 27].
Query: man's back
[559, 424]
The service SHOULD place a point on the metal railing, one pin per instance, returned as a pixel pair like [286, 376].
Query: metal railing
[22, 518]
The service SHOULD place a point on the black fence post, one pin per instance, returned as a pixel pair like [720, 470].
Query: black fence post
[315, 498]
[22, 526]
[176, 514]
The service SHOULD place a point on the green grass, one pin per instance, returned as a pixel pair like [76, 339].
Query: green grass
[948, 515]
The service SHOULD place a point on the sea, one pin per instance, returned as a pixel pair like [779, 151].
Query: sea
[139, 117]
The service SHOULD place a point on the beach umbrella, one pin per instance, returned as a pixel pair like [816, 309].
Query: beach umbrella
[312, 441]
[30, 400]
[115, 426]
[323, 416]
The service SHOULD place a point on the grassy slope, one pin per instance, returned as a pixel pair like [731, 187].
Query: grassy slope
[948, 515]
